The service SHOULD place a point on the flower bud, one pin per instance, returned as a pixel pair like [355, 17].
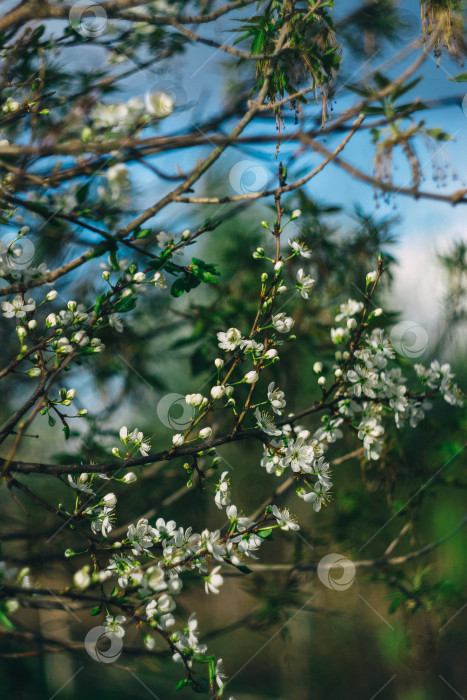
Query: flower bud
[82, 579]
[318, 367]
[50, 296]
[110, 500]
[178, 440]
[205, 433]
[34, 372]
[51, 320]
[217, 392]
[160, 104]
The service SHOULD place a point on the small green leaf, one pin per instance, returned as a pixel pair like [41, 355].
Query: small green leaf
[5, 621]
[438, 134]
[98, 304]
[257, 43]
[178, 287]
[264, 533]
[143, 233]
[95, 611]
[244, 569]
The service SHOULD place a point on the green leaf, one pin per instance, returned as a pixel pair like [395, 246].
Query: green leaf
[244, 569]
[52, 421]
[82, 193]
[66, 430]
[461, 78]
[95, 611]
[257, 43]
[5, 621]
[143, 233]
[178, 287]
[264, 533]
[114, 260]
[181, 684]
[438, 134]
[203, 271]
[98, 304]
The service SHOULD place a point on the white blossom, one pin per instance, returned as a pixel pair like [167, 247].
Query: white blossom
[266, 423]
[17, 307]
[214, 581]
[276, 398]
[304, 283]
[284, 519]
[282, 322]
[300, 248]
[230, 339]
[113, 625]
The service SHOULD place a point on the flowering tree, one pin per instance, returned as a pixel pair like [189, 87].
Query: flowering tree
[92, 288]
